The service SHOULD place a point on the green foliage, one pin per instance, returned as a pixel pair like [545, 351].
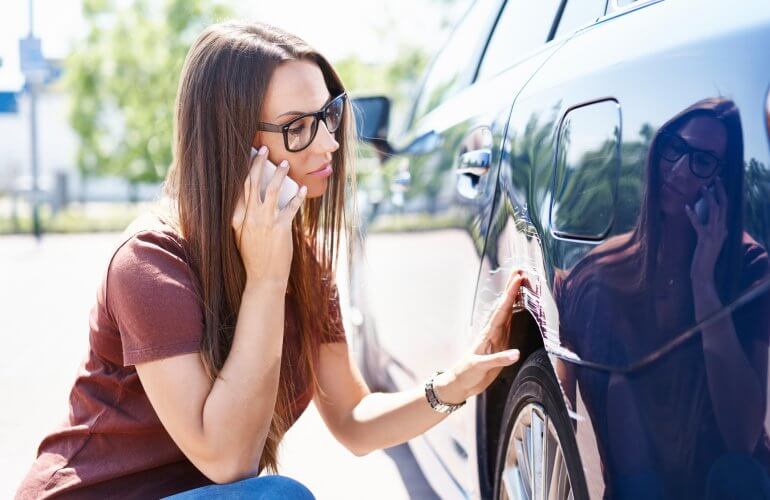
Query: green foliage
[122, 81]
[397, 79]
[757, 216]
[91, 218]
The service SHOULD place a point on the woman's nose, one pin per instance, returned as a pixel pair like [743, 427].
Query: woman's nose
[681, 168]
[326, 141]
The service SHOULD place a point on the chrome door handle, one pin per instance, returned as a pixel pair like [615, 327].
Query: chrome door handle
[475, 163]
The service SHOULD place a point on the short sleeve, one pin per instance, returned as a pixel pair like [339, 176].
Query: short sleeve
[335, 331]
[152, 299]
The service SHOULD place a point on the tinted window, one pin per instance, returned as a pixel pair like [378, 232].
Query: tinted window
[522, 27]
[586, 171]
[578, 13]
[453, 69]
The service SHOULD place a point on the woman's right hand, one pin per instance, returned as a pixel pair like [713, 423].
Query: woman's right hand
[262, 231]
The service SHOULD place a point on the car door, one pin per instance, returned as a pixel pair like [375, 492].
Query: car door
[423, 247]
[424, 251]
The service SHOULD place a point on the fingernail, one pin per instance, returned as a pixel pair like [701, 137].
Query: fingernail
[262, 150]
[284, 164]
[513, 355]
[303, 191]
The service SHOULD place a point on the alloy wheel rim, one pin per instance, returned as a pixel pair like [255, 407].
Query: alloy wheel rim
[535, 468]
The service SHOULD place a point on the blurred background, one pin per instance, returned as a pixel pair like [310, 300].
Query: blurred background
[87, 90]
[86, 104]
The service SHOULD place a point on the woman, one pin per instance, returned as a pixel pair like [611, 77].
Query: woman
[686, 420]
[217, 323]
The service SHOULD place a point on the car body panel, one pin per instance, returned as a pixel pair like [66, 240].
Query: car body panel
[574, 131]
[659, 71]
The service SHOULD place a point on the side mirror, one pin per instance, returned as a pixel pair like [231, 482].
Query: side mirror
[372, 116]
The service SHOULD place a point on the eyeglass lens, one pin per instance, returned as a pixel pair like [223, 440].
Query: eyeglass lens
[302, 131]
[702, 163]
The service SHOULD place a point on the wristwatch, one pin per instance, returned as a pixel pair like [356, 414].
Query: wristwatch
[434, 401]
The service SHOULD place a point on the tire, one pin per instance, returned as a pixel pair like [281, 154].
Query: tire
[543, 436]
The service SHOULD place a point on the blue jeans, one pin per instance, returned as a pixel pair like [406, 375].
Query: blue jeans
[257, 488]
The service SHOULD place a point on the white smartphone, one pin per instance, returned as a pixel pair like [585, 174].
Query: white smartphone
[701, 206]
[289, 188]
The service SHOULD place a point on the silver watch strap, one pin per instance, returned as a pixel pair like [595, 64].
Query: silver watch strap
[434, 401]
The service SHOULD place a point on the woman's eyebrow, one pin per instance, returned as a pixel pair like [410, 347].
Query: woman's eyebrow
[694, 147]
[297, 113]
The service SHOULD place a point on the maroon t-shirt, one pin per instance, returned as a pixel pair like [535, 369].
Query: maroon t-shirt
[112, 443]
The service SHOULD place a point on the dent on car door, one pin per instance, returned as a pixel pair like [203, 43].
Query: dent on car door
[473, 148]
[658, 311]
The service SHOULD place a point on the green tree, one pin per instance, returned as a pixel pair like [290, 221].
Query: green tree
[122, 81]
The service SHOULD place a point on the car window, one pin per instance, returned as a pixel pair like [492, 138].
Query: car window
[578, 13]
[523, 26]
[455, 65]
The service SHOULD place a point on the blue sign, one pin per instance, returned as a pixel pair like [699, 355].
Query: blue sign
[30, 54]
[33, 65]
[8, 102]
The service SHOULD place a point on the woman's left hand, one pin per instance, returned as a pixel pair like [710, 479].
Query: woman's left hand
[488, 354]
[711, 235]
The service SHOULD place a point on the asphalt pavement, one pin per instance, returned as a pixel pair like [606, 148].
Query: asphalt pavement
[46, 292]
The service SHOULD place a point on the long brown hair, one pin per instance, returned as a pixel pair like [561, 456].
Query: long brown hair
[221, 91]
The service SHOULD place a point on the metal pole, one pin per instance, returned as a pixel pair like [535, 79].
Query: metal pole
[33, 137]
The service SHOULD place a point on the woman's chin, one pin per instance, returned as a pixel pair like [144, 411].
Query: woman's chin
[316, 189]
[673, 210]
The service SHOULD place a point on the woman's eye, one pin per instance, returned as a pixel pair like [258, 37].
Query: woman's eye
[297, 130]
[674, 151]
[702, 161]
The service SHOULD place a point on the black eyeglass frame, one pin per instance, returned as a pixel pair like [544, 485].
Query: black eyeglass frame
[689, 150]
[318, 115]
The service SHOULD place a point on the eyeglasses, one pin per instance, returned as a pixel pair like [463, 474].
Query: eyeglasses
[703, 164]
[300, 132]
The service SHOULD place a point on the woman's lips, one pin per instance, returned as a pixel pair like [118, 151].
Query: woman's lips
[672, 189]
[324, 171]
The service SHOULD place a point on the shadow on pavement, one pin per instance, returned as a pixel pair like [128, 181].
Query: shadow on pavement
[414, 481]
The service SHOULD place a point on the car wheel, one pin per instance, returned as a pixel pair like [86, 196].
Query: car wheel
[537, 457]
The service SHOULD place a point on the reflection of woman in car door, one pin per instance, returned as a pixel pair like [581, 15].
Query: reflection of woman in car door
[688, 424]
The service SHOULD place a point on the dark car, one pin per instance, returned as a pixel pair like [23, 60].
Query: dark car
[617, 151]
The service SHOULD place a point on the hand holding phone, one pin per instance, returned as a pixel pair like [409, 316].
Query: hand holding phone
[702, 207]
[263, 234]
[289, 188]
